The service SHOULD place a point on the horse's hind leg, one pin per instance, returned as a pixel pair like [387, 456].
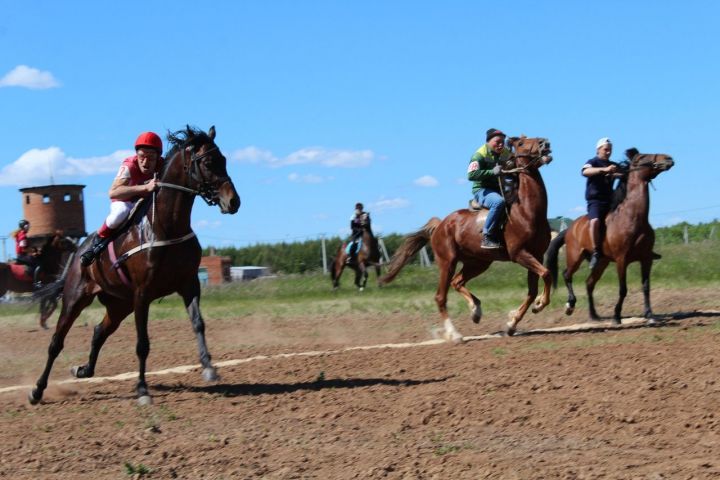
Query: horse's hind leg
[468, 272]
[590, 286]
[71, 309]
[191, 297]
[116, 311]
[447, 270]
[573, 260]
[622, 279]
[142, 347]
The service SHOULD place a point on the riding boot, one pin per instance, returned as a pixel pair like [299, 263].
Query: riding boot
[88, 257]
[36, 278]
[656, 256]
[594, 259]
[490, 242]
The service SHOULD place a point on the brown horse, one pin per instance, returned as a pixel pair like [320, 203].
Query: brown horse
[457, 238]
[629, 236]
[158, 254]
[368, 256]
[15, 278]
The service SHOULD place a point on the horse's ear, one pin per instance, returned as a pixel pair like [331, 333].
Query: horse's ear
[211, 132]
[631, 152]
[510, 142]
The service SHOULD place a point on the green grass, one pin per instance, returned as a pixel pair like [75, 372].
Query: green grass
[412, 292]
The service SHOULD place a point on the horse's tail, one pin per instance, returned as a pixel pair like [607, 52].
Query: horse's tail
[551, 256]
[412, 244]
[48, 295]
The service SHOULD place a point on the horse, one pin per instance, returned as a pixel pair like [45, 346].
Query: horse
[628, 238]
[368, 256]
[457, 238]
[156, 255]
[14, 277]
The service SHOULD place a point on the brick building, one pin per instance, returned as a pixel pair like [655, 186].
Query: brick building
[217, 268]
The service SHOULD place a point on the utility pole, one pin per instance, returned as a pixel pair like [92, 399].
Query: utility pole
[424, 257]
[383, 250]
[324, 253]
[4, 253]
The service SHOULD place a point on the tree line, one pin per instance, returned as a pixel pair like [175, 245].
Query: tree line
[301, 257]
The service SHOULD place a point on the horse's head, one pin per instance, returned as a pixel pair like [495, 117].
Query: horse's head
[205, 168]
[649, 165]
[530, 152]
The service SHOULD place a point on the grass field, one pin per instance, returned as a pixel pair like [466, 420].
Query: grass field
[500, 289]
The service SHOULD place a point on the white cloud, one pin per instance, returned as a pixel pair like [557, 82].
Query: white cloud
[28, 77]
[426, 181]
[39, 166]
[206, 224]
[309, 178]
[578, 209]
[390, 204]
[306, 156]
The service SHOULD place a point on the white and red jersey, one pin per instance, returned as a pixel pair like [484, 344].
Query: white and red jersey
[130, 170]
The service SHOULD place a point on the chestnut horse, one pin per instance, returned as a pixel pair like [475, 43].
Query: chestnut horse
[457, 238]
[628, 238]
[14, 277]
[158, 254]
[368, 256]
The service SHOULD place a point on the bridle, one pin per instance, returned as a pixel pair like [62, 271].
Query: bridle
[540, 157]
[206, 190]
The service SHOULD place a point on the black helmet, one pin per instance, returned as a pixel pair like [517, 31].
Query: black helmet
[22, 223]
[359, 206]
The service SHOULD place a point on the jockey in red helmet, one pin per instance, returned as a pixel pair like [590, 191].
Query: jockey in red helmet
[135, 179]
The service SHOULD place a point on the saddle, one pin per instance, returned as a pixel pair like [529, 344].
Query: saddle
[21, 272]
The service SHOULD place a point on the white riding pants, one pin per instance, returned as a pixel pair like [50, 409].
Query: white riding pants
[118, 213]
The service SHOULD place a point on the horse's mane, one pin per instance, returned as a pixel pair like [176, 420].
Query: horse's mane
[620, 191]
[190, 136]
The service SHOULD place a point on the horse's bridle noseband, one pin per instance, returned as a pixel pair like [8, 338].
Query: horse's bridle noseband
[533, 159]
[204, 189]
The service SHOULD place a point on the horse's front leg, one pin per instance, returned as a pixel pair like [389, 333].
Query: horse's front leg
[468, 272]
[191, 297]
[142, 347]
[645, 267]
[364, 276]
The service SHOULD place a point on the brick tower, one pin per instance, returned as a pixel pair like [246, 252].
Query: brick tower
[54, 207]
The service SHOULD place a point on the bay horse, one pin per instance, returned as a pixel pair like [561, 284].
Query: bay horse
[628, 238]
[458, 237]
[368, 256]
[158, 254]
[14, 276]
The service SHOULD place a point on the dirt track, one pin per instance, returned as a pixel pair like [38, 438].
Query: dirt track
[636, 403]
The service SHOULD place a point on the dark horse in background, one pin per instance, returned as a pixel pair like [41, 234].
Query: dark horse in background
[51, 258]
[158, 254]
[457, 238]
[367, 256]
[628, 238]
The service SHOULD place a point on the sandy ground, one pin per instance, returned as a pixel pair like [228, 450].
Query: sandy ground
[633, 403]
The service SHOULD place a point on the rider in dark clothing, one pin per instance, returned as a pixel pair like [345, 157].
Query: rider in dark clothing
[358, 223]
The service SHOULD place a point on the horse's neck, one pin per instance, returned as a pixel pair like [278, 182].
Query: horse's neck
[172, 207]
[637, 200]
[532, 197]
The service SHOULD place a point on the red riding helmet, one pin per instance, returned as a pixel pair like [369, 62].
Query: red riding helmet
[149, 139]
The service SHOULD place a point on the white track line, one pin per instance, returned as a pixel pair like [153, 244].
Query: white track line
[576, 328]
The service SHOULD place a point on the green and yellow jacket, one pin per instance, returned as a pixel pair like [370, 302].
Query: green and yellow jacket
[480, 170]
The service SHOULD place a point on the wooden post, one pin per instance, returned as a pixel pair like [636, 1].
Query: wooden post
[324, 254]
[383, 250]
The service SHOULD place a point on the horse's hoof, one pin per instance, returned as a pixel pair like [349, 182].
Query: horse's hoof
[477, 315]
[455, 338]
[209, 374]
[75, 371]
[361, 289]
[43, 324]
[569, 309]
[651, 322]
[145, 401]
[616, 321]
[509, 330]
[32, 398]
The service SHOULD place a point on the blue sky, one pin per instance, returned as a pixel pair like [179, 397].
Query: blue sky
[321, 104]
